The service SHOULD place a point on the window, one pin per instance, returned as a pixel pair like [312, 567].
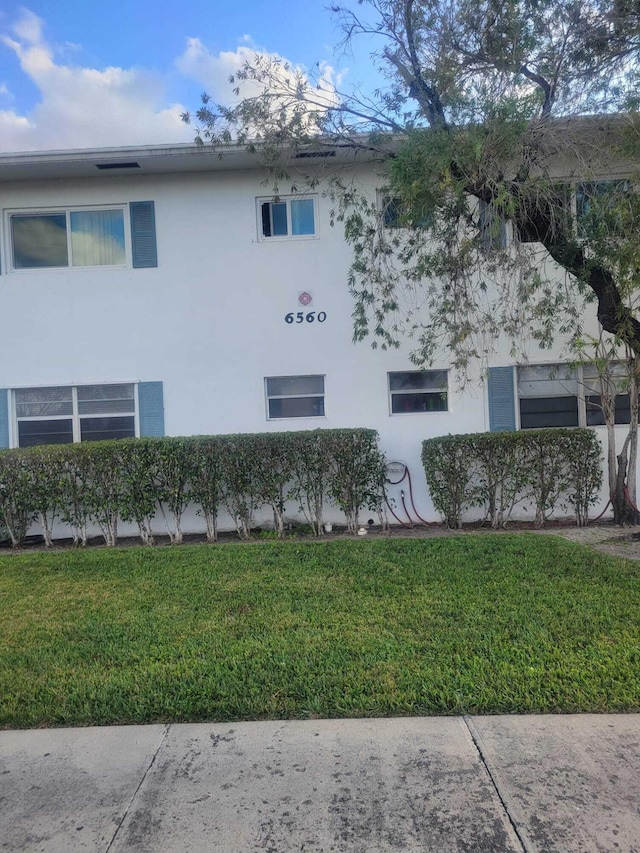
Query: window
[601, 197]
[557, 395]
[295, 397]
[65, 414]
[418, 391]
[548, 395]
[616, 381]
[392, 212]
[287, 217]
[540, 218]
[68, 238]
[395, 215]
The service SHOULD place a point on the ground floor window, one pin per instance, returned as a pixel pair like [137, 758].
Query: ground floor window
[68, 413]
[414, 391]
[295, 397]
[562, 395]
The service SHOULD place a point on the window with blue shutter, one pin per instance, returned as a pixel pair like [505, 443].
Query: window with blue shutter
[502, 404]
[144, 251]
[151, 408]
[4, 418]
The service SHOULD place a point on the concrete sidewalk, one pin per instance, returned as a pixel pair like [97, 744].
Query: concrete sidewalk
[473, 784]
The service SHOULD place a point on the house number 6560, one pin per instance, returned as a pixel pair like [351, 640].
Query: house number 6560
[301, 317]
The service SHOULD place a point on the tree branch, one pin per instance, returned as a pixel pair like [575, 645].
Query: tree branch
[543, 84]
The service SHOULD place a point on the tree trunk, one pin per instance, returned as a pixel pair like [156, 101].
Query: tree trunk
[46, 530]
[631, 494]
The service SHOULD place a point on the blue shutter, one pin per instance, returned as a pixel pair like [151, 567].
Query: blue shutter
[4, 418]
[143, 234]
[493, 228]
[502, 401]
[151, 408]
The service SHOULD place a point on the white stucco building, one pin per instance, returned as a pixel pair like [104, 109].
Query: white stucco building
[160, 290]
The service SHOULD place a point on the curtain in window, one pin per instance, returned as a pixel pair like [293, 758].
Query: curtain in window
[302, 216]
[97, 238]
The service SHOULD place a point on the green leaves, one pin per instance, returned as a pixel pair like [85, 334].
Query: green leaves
[131, 480]
[544, 469]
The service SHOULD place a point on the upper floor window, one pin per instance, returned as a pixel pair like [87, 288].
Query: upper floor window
[418, 391]
[68, 238]
[63, 414]
[392, 215]
[541, 217]
[492, 227]
[396, 214]
[287, 217]
[601, 198]
[575, 209]
[295, 396]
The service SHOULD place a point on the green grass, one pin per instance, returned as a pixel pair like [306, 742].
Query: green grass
[474, 624]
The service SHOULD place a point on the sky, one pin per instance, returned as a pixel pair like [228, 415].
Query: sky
[86, 74]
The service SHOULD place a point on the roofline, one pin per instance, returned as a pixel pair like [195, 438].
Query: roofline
[193, 157]
[58, 155]
[160, 159]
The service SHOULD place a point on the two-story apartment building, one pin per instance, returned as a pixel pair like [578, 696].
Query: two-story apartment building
[163, 290]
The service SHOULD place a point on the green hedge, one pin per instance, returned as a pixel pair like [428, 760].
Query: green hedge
[540, 470]
[134, 479]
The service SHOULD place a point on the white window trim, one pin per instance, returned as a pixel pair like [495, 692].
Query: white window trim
[287, 199]
[268, 397]
[446, 390]
[75, 417]
[67, 210]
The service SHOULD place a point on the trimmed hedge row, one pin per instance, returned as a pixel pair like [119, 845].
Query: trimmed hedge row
[132, 479]
[541, 469]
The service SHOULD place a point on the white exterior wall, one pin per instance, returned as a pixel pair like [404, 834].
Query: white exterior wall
[209, 320]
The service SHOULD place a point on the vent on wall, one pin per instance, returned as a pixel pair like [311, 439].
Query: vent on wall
[117, 165]
[306, 155]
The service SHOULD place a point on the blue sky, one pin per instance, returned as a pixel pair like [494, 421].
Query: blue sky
[76, 73]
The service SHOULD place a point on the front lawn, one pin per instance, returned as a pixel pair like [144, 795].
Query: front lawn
[469, 624]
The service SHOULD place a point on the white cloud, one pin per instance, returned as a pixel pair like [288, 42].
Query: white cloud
[212, 71]
[81, 107]
[84, 107]
[28, 27]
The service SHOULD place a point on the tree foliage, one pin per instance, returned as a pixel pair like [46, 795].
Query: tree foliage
[543, 470]
[505, 134]
[103, 482]
[488, 112]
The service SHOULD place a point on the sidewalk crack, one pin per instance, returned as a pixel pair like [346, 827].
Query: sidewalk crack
[476, 742]
[140, 784]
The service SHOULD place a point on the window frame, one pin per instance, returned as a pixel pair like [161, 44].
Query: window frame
[286, 200]
[402, 392]
[75, 417]
[67, 210]
[269, 397]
